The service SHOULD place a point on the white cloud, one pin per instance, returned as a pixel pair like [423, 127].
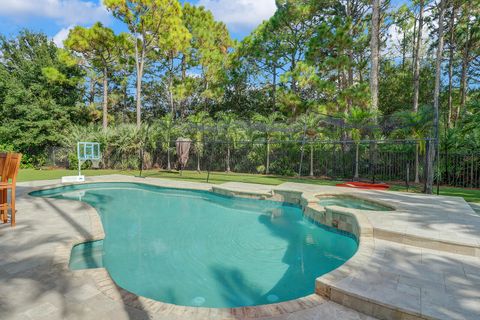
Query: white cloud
[65, 12]
[395, 37]
[240, 14]
[61, 35]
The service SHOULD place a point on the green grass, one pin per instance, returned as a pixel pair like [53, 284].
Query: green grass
[471, 195]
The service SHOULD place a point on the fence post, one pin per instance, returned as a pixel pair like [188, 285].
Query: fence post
[429, 167]
[372, 149]
[210, 162]
[408, 177]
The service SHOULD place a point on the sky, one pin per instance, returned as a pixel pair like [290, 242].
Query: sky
[56, 17]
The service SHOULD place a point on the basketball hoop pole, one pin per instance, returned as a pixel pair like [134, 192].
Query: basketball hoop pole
[79, 162]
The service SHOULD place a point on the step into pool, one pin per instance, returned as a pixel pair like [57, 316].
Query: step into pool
[351, 202]
[197, 248]
[87, 255]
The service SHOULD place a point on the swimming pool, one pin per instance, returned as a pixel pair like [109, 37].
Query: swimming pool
[197, 248]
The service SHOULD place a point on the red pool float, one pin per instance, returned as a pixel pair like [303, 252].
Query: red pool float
[364, 185]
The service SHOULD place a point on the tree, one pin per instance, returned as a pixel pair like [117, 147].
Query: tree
[468, 42]
[264, 49]
[295, 23]
[148, 21]
[359, 122]
[231, 131]
[309, 126]
[335, 65]
[102, 48]
[39, 90]
[166, 131]
[375, 53]
[198, 123]
[207, 54]
[404, 21]
[418, 44]
[267, 130]
[435, 145]
[451, 45]
[175, 41]
[414, 125]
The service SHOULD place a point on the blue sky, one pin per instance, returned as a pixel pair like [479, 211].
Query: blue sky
[56, 17]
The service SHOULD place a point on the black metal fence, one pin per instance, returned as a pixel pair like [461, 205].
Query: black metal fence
[392, 161]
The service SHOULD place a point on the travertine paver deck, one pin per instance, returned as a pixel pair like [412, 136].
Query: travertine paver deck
[424, 282]
[412, 279]
[441, 218]
[30, 288]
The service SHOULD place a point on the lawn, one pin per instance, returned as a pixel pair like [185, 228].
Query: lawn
[471, 195]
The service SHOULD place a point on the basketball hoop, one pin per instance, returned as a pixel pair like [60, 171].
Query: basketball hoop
[85, 151]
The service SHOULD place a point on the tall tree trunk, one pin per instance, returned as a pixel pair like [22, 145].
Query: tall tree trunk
[138, 98]
[105, 98]
[125, 100]
[450, 66]
[170, 89]
[294, 83]
[182, 102]
[355, 177]
[350, 55]
[463, 81]
[228, 157]
[139, 59]
[436, 102]
[311, 159]
[416, 72]
[267, 168]
[293, 65]
[198, 161]
[91, 95]
[169, 165]
[274, 89]
[374, 48]
[414, 44]
[184, 67]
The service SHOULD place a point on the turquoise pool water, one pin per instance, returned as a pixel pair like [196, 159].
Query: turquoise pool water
[87, 255]
[197, 248]
[351, 202]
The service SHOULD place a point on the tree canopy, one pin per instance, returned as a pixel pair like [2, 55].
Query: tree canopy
[359, 68]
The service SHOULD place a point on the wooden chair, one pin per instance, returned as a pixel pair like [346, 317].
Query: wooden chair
[8, 182]
[3, 171]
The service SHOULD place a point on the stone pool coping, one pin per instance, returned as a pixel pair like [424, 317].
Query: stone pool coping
[109, 288]
[455, 244]
[331, 286]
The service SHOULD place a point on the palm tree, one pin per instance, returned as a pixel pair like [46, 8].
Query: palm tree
[358, 121]
[415, 125]
[231, 131]
[166, 131]
[198, 123]
[267, 130]
[308, 123]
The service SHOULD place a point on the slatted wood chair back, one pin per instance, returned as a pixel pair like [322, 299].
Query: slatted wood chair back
[4, 164]
[13, 165]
